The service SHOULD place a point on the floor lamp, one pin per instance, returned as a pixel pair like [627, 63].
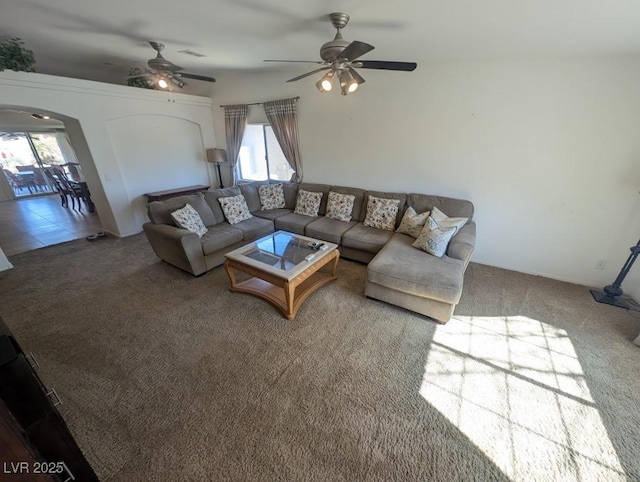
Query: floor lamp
[217, 156]
[612, 294]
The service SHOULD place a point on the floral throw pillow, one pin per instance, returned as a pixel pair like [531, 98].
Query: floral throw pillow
[308, 203]
[381, 213]
[412, 223]
[435, 237]
[271, 196]
[235, 208]
[340, 206]
[189, 219]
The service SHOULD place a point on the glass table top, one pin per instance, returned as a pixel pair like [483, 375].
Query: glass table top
[282, 252]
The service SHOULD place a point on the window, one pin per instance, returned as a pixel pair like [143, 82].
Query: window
[261, 157]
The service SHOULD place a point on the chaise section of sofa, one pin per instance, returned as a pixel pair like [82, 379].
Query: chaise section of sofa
[405, 276]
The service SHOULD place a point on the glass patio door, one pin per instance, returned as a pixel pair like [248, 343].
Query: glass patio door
[23, 156]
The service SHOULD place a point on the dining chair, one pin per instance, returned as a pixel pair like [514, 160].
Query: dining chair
[17, 183]
[57, 186]
[74, 192]
[38, 179]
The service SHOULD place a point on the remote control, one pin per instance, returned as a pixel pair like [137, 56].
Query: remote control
[324, 247]
[310, 257]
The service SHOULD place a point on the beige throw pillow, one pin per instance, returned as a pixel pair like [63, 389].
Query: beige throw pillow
[381, 213]
[271, 196]
[235, 208]
[308, 203]
[412, 223]
[340, 206]
[189, 219]
[436, 234]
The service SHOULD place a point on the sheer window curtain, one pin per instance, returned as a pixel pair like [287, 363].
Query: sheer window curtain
[235, 123]
[64, 144]
[284, 121]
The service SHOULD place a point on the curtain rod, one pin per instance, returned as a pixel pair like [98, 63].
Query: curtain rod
[259, 103]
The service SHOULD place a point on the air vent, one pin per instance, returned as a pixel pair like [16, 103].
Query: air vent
[192, 53]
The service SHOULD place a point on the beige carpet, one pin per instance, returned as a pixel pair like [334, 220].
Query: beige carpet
[169, 377]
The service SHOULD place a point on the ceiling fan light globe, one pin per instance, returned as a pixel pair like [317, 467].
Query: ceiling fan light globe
[162, 84]
[326, 84]
[353, 86]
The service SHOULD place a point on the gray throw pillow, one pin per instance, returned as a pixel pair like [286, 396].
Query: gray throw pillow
[435, 236]
[412, 223]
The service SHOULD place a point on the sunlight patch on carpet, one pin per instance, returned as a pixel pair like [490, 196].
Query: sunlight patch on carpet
[515, 387]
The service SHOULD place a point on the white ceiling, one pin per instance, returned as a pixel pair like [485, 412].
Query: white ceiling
[100, 40]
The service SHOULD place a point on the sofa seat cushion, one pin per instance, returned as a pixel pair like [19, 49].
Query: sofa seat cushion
[294, 223]
[254, 228]
[401, 267]
[328, 229]
[219, 237]
[272, 213]
[366, 238]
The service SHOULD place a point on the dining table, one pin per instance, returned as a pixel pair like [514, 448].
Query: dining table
[27, 179]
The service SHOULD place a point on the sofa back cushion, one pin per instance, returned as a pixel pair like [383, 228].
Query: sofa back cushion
[211, 197]
[386, 195]
[454, 208]
[159, 212]
[323, 188]
[251, 194]
[358, 213]
[290, 194]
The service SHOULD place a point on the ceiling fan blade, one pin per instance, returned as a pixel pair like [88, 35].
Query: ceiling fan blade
[358, 78]
[354, 50]
[308, 74]
[196, 77]
[381, 64]
[298, 61]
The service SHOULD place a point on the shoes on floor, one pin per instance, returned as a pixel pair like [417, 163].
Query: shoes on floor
[93, 237]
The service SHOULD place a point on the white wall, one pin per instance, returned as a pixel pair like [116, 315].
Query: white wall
[548, 151]
[128, 141]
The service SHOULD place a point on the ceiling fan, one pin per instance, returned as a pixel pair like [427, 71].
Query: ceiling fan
[161, 71]
[340, 56]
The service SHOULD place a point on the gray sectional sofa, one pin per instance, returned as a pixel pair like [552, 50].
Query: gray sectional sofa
[397, 273]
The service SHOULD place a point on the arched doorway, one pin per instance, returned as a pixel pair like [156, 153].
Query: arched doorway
[45, 197]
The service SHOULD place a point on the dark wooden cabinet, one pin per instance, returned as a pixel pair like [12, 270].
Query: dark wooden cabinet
[32, 408]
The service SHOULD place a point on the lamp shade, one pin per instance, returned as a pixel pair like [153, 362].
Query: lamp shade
[216, 155]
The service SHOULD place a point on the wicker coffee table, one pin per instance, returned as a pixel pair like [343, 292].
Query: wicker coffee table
[284, 269]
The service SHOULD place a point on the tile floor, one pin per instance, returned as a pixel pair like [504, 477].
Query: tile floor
[33, 223]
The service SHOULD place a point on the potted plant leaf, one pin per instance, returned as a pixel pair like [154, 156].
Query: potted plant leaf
[15, 56]
[137, 78]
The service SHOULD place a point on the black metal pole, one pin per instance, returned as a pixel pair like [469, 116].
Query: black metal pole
[220, 176]
[612, 294]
